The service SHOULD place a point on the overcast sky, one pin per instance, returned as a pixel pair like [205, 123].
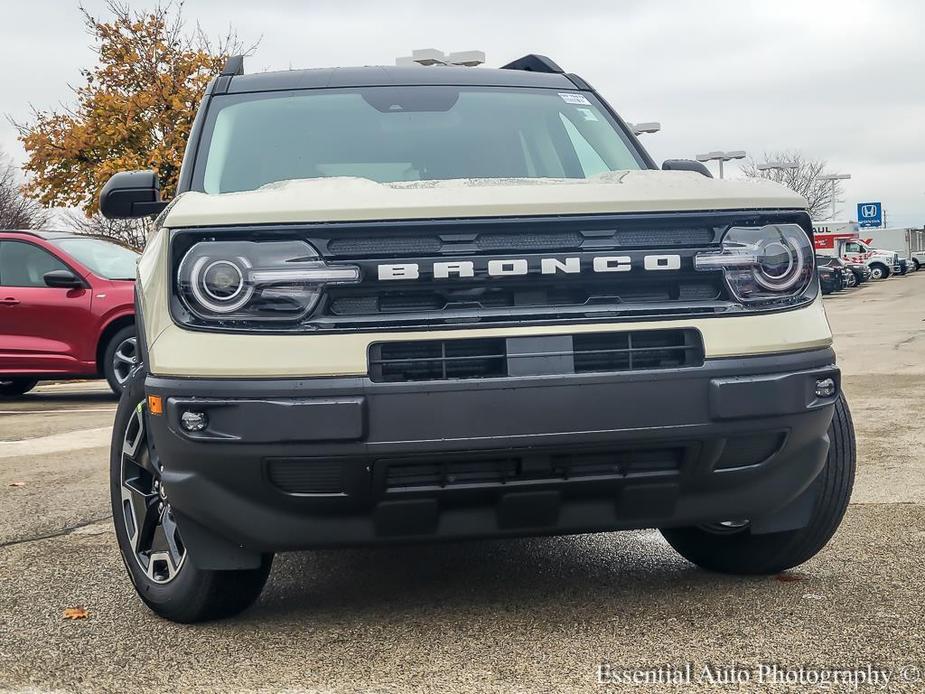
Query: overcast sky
[840, 80]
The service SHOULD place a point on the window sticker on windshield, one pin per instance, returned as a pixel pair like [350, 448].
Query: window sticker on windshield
[575, 99]
[587, 113]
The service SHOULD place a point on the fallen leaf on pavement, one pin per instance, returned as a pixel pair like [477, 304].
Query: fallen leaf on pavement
[75, 613]
[790, 578]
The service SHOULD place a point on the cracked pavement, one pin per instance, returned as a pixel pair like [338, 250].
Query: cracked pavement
[518, 615]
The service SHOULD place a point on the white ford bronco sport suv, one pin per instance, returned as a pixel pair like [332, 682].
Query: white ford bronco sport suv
[395, 304]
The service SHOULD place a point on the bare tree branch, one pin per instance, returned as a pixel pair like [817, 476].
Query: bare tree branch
[131, 233]
[16, 210]
[802, 178]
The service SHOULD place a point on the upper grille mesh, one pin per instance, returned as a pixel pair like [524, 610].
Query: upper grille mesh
[498, 242]
[526, 240]
[371, 246]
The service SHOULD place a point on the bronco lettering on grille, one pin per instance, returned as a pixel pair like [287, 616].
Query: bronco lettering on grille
[512, 267]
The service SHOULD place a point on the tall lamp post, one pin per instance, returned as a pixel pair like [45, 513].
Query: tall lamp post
[721, 157]
[833, 178]
[776, 166]
[433, 56]
[642, 128]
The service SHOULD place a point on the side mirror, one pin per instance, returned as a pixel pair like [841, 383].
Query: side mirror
[62, 279]
[686, 165]
[131, 195]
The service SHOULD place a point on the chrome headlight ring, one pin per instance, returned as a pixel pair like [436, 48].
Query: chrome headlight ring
[207, 296]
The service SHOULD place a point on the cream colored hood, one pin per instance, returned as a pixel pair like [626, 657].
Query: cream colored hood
[359, 199]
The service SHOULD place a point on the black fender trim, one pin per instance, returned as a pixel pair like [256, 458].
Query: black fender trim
[212, 552]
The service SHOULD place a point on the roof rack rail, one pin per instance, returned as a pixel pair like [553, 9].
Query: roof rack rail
[533, 63]
[233, 66]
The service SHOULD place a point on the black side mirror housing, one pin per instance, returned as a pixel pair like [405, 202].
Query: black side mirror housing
[62, 279]
[131, 195]
[686, 165]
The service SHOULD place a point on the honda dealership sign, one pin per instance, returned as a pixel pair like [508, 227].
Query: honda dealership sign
[870, 214]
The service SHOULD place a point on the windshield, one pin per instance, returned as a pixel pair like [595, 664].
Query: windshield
[106, 259]
[390, 134]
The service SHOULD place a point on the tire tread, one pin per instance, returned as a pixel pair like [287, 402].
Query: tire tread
[744, 553]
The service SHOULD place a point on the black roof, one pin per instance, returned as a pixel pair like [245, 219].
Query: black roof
[385, 75]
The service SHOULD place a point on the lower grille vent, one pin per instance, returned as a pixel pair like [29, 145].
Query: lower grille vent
[462, 472]
[438, 360]
[656, 349]
[444, 360]
[407, 475]
[298, 476]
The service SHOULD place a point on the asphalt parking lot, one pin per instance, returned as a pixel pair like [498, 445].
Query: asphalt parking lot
[522, 615]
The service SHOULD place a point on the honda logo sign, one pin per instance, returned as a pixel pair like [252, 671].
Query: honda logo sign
[870, 214]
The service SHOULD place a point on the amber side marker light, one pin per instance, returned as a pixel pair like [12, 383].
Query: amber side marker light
[155, 404]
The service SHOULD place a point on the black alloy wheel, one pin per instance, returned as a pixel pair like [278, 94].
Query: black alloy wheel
[149, 523]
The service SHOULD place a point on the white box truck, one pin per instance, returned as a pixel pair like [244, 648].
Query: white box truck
[907, 242]
[843, 240]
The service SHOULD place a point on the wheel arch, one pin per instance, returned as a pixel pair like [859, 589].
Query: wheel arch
[114, 326]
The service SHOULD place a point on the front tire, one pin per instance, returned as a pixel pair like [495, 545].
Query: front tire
[12, 387]
[149, 539]
[879, 271]
[733, 549]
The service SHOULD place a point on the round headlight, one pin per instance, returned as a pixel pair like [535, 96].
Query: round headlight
[220, 284]
[222, 280]
[235, 285]
[779, 265]
[769, 263]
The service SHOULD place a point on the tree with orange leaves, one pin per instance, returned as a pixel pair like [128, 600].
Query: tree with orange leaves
[134, 109]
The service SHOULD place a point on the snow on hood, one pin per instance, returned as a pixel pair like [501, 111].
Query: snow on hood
[338, 199]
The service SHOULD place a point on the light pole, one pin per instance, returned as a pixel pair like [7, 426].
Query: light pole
[433, 56]
[721, 157]
[641, 128]
[776, 166]
[833, 178]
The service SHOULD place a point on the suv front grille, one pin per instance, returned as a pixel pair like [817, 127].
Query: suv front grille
[570, 269]
[424, 299]
[445, 360]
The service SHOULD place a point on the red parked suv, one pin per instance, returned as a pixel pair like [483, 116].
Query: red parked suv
[66, 309]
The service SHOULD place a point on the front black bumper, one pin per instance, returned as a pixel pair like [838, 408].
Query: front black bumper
[301, 463]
